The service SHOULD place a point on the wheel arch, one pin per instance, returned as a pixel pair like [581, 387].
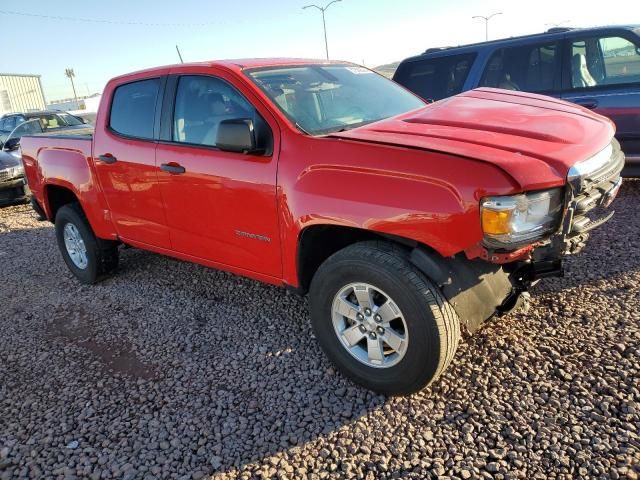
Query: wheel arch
[316, 243]
[56, 196]
[476, 289]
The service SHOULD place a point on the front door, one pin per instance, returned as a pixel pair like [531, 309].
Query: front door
[125, 161]
[220, 206]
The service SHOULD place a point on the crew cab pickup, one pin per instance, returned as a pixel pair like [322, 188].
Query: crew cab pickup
[406, 223]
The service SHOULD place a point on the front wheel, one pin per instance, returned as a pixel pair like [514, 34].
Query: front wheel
[87, 256]
[380, 320]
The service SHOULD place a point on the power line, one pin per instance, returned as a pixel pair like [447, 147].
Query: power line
[97, 20]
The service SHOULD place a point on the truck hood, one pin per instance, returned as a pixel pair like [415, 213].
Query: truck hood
[533, 138]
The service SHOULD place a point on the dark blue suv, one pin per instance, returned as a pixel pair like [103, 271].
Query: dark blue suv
[598, 68]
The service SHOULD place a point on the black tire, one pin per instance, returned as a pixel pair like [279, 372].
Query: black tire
[102, 255]
[432, 324]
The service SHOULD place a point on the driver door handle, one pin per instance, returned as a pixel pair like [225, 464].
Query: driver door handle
[108, 158]
[589, 103]
[172, 168]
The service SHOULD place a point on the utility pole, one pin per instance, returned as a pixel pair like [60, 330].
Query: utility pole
[486, 23]
[324, 23]
[70, 74]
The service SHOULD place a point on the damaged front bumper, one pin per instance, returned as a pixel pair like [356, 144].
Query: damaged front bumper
[588, 199]
[484, 282]
[588, 196]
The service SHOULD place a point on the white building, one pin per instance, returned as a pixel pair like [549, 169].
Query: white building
[20, 93]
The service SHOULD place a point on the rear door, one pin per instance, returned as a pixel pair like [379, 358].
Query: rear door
[602, 73]
[125, 161]
[220, 206]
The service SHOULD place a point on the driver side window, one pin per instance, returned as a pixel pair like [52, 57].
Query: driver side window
[201, 104]
[530, 68]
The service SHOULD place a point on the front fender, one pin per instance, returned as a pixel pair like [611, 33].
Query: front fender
[428, 210]
[425, 197]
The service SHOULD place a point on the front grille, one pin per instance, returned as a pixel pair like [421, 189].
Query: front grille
[588, 199]
[4, 175]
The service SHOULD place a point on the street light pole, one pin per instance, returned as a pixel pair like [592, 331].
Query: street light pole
[70, 74]
[486, 23]
[324, 23]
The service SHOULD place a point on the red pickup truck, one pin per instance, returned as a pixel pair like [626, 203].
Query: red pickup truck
[406, 223]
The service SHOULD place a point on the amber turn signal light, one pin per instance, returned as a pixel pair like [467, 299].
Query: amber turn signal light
[496, 222]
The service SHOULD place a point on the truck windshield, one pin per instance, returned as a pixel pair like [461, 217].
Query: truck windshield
[321, 99]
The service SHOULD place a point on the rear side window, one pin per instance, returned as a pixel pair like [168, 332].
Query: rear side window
[530, 68]
[604, 61]
[9, 124]
[436, 78]
[133, 108]
[27, 128]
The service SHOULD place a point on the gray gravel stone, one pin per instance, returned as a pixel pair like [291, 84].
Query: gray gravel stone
[171, 370]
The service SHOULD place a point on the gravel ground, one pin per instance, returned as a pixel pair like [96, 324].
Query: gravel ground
[171, 370]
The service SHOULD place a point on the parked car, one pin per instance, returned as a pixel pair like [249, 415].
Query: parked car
[11, 143]
[49, 121]
[86, 116]
[34, 127]
[13, 186]
[404, 222]
[598, 68]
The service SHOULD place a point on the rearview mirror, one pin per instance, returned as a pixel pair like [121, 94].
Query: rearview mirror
[11, 144]
[237, 135]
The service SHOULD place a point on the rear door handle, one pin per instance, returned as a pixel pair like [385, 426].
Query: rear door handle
[108, 159]
[172, 168]
[589, 103]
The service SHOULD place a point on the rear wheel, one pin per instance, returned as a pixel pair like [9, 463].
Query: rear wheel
[87, 256]
[380, 320]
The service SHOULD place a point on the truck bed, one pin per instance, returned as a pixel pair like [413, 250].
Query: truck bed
[83, 133]
[33, 146]
[57, 158]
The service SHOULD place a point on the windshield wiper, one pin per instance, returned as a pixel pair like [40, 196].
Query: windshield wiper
[299, 127]
[346, 128]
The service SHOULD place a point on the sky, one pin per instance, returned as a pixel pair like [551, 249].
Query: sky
[144, 33]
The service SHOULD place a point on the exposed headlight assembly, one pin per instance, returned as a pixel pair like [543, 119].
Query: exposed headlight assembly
[517, 220]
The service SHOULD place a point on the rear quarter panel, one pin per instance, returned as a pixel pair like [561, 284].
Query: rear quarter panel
[66, 162]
